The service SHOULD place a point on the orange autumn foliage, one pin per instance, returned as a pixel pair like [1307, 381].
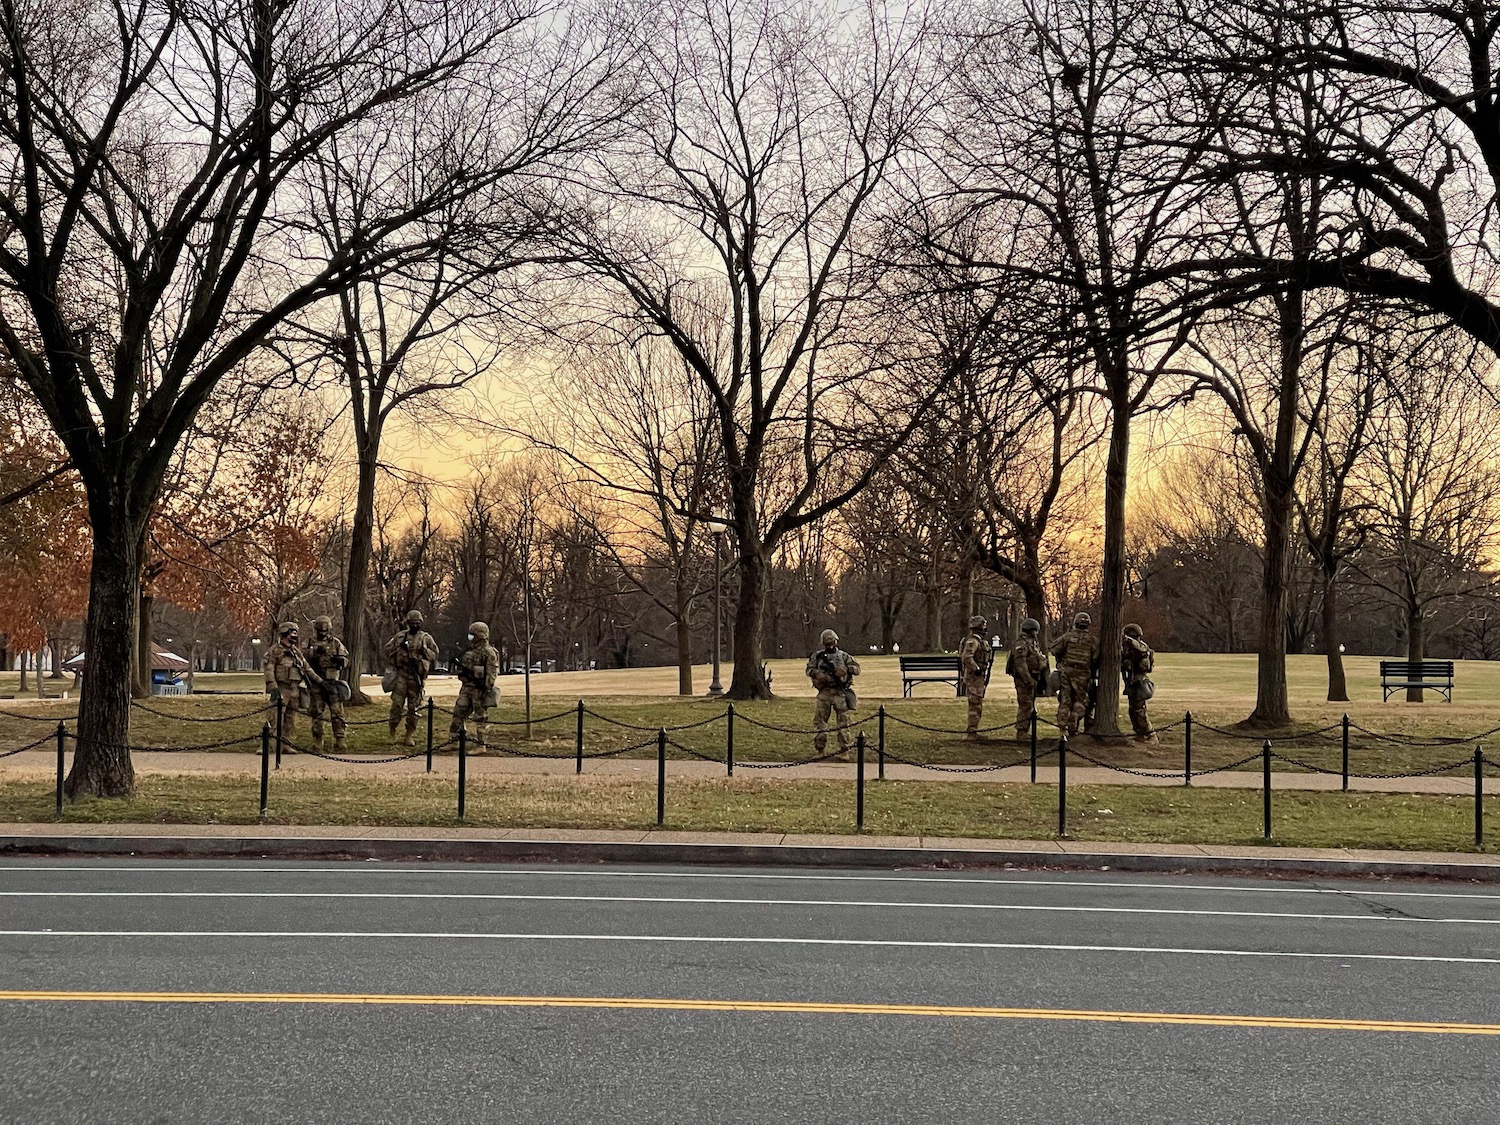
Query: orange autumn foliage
[44, 535]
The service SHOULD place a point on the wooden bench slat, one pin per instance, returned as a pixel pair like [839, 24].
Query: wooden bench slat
[1434, 675]
[930, 669]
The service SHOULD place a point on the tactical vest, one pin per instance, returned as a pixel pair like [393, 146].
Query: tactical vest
[1078, 651]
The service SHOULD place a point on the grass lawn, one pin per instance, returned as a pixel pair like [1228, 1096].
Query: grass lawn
[1106, 813]
[1218, 689]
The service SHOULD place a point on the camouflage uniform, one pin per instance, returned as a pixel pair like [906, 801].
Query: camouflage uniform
[1077, 653]
[327, 657]
[477, 669]
[832, 671]
[285, 668]
[1027, 666]
[1136, 660]
[974, 662]
[411, 654]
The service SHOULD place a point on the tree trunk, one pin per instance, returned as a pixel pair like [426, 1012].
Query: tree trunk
[1338, 687]
[684, 648]
[749, 612]
[57, 659]
[1416, 643]
[934, 599]
[21, 663]
[101, 762]
[888, 611]
[140, 680]
[1271, 706]
[1030, 584]
[1112, 602]
[357, 577]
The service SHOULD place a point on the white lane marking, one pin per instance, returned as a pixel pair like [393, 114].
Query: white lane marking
[818, 902]
[1020, 879]
[418, 935]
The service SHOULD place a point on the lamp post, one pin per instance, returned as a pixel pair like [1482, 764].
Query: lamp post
[718, 525]
[255, 654]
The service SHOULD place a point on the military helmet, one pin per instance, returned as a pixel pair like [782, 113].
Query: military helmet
[829, 637]
[978, 622]
[286, 628]
[479, 631]
[414, 617]
[1134, 630]
[1082, 621]
[323, 622]
[1031, 625]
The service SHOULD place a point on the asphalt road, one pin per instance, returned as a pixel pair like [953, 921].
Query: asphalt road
[361, 992]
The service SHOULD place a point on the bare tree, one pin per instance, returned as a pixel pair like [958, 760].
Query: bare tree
[636, 420]
[1063, 126]
[1199, 523]
[154, 230]
[1329, 509]
[1406, 144]
[737, 222]
[1433, 505]
[403, 341]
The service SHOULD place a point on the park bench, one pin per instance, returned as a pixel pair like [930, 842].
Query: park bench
[1398, 675]
[935, 669]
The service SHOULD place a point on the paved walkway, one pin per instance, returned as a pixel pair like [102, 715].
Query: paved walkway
[43, 764]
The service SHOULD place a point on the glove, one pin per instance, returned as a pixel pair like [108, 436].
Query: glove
[274, 692]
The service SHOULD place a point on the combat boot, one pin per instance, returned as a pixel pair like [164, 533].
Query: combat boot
[393, 734]
[317, 742]
[338, 744]
[409, 739]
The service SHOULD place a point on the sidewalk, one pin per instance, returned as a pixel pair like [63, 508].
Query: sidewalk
[39, 764]
[500, 845]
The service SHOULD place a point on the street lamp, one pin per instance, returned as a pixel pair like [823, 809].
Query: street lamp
[718, 524]
[255, 654]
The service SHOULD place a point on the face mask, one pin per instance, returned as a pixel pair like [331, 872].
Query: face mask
[471, 638]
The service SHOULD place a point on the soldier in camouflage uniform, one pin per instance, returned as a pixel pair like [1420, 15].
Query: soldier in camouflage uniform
[1136, 662]
[286, 670]
[974, 661]
[1028, 667]
[327, 658]
[411, 654]
[477, 669]
[832, 671]
[1077, 653]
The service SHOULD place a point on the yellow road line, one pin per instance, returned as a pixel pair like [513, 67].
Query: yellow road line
[772, 1006]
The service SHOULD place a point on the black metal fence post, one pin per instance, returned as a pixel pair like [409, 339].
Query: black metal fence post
[463, 767]
[859, 782]
[1345, 770]
[729, 743]
[1265, 774]
[1478, 797]
[1187, 747]
[661, 776]
[578, 768]
[280, 721]
[431, 706]
[1062, 785]
[1033, 747]
[265, 767]
[880, 742]
[62, 738]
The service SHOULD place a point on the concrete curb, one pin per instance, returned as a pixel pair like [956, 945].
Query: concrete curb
[737, 854]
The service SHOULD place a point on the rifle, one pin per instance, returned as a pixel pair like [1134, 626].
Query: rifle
[825, 664]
